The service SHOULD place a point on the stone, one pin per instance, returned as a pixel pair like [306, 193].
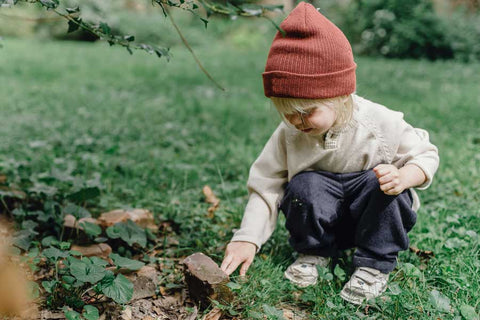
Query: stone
[145, 282]
[101, 250]
[71, 222]
[205, 280]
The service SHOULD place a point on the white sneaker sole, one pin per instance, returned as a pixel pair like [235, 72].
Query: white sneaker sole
[297, 282]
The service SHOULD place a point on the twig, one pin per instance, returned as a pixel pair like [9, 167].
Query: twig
[185, 42]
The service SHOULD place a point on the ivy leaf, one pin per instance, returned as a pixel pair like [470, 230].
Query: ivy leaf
[90, 313]
[338, 271]
[394, 289]
[122, 262]
[71, 314]
[440, 301]
[54, 253]
[324, 274]
[468, 312]
[49, 241]
[84, 270]
[234, 286]
[49, 286]
[76, 211]
[120, 289]
[129, 232]
[411, 271]
[91, 229]
[84, 194]
[23, 239]
[272, 312]
[98, 261]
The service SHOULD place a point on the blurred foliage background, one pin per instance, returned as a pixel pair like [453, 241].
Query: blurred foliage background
[432, 29]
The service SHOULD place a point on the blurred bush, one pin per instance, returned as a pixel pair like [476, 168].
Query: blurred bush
[409, 29]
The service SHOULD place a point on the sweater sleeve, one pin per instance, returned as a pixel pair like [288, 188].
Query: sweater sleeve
[415, 148]
[267, 177]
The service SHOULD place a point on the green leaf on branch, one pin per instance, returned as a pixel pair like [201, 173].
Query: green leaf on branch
[120, 289]
[105, 28]
[86, 271]
[49, 4]
[129, 38]
[73, 25]
[73, 10]
[129, 232]
[122, 262]
[90, 313]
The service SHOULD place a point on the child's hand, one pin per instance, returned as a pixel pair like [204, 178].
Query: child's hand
[238, 252]
[390, 179]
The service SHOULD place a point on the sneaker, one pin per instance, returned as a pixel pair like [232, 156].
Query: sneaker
[303, 272]
[365, 283]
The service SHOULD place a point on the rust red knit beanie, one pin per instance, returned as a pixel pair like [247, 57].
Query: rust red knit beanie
[312, 60]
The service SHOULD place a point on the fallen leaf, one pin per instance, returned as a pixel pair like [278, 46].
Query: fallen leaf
[423, 254]
[3, 179]
[212, 199]
[142, 217]
[214, 314]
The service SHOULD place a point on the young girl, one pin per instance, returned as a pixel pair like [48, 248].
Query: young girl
[339, 167]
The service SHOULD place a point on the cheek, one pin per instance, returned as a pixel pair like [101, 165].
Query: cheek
[323, 120]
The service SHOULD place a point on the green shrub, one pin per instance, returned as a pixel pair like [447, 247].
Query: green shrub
[397, 28]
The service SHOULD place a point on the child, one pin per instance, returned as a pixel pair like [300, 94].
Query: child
[339, 167]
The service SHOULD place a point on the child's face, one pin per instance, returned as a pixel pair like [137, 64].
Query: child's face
[315, 121]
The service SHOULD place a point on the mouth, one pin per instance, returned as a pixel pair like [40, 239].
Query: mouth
[306, 130]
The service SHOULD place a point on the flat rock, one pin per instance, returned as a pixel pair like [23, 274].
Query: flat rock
[71, 222]
[145, 282]
[205, 280]
[101, 250]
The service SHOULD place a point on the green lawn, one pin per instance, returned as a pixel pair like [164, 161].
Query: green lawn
[153, 133]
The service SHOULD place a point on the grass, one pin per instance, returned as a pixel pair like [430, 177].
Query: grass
[153, 133]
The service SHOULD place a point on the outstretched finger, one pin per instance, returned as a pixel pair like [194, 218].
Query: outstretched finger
[226, 261]
[232, 267]
[244, 268]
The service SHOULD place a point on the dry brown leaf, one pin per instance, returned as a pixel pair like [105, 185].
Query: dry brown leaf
[424, 255]
[3, 179]
[212, 199]
[214, 314]
[144, 218]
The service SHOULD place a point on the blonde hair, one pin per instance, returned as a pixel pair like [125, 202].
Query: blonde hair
[342, 105]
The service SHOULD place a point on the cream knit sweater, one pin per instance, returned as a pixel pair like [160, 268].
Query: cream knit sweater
[375, 135]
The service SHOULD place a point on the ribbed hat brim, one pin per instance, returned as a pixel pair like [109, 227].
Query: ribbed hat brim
[309, 86]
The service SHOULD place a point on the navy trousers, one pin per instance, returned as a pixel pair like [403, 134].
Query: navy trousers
[326, 212]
